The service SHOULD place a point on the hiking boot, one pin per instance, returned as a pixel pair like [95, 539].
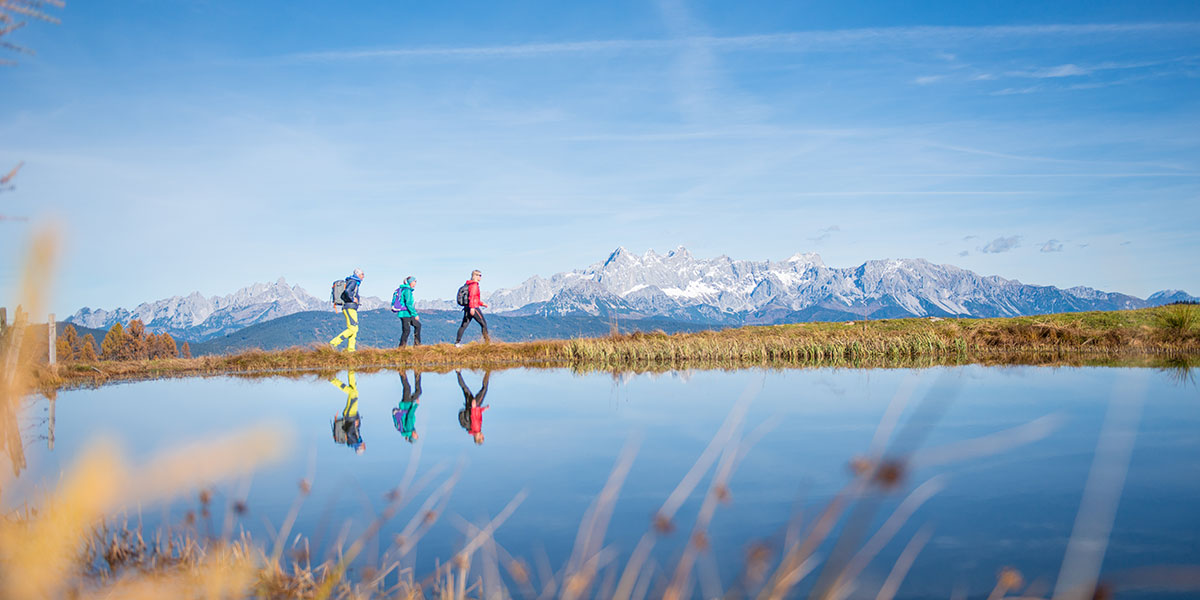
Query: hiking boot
[458, 344]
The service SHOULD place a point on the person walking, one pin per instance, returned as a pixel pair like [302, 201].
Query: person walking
[471, 304]
[471, 415]
[406, 310]
[347, 426]
[350, 311]
[404, 416]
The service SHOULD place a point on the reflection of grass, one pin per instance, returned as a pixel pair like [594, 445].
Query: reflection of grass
[1180, 369]
[1069, 338]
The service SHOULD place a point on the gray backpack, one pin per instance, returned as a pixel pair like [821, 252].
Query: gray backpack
[338, 293]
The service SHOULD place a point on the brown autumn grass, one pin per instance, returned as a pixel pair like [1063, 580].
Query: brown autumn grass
[1143, 337]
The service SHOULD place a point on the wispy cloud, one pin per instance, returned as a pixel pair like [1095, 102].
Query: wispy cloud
[964, 253]
[1052, 246]
[928, 79]
[824, 233]
[1001, 244]
[803, 40]
[1074, 70]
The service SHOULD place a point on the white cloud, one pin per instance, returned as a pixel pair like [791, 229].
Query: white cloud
[928, 79]
[1001, 244]
[824, 233]
[802, 40]
[1052, 246]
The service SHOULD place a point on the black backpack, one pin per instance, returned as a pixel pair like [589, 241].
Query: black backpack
[464, 418]
[464, 295]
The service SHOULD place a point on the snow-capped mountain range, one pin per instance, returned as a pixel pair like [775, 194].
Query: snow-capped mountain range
[718, 291]
[197, 318]
[801, 288]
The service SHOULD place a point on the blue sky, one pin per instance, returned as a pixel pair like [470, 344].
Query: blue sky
[206, 145]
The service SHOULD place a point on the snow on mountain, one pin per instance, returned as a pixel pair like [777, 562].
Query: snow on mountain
[678, 286]
[1169, 296]
[195, 317]
[800, 288]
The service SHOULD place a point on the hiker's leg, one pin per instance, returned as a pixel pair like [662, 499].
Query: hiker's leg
[348, 331]
[416, 331]
[352, 327]
[465, 390]
[404, 327]
[463, 327]
[483, 324]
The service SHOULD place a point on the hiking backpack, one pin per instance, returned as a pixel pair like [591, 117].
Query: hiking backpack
[337, 293]
[464, 295]
[397, 303]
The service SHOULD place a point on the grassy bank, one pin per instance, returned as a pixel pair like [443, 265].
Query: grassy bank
[1145, 337]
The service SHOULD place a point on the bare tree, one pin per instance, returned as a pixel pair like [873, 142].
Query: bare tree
[14, 15]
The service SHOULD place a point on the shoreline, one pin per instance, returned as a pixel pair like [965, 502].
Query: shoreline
[1142, 337]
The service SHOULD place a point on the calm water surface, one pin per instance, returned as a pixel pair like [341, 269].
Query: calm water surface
[557, 435]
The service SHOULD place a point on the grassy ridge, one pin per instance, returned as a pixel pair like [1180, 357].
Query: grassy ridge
[1093, 337]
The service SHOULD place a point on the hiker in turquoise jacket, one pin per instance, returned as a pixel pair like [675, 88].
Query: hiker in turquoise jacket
[406, 311]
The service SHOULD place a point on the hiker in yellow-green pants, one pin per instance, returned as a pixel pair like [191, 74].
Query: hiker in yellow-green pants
[346, 426]
[348, 300]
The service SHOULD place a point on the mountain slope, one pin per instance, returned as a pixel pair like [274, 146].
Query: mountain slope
[381, 329]
[197, 318]
[726, 291]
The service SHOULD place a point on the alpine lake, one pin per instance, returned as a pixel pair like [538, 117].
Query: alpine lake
[1019, 467]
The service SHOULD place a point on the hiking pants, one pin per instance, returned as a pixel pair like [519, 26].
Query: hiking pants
[467, 316]
[350, 334]
[407, 323]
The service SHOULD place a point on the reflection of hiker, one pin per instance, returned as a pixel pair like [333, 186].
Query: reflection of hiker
[468, 298]
[345, 295]
[346, 425]
[404, 416]
[406, 310]
[471, 416]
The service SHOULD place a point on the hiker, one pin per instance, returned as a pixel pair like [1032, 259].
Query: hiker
[471, 416]
[406, 310]
[404, 416]
[468, 298]
[348, 300]
[346, 426]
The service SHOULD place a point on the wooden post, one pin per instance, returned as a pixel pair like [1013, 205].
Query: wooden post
[3, 319]
[52, 327]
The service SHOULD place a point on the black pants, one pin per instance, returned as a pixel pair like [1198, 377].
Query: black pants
[407, 323]
[467, 316]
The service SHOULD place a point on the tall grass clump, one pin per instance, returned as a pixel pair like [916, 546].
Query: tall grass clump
[1179, 319]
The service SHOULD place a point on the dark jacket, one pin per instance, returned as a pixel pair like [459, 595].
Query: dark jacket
[350, 296]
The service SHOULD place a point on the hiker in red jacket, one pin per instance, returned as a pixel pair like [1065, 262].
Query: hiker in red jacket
[471, 307]
[471, 416]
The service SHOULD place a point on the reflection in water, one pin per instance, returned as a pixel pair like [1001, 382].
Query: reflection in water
[10, 438]
[471, 416]
[346, 426]
[1180, 369]
[404, 416]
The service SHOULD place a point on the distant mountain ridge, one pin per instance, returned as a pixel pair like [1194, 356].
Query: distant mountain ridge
[674, 288]
[802, 288]
[198, 318]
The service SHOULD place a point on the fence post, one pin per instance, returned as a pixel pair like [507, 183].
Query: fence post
[3, 319]
[52, 327]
